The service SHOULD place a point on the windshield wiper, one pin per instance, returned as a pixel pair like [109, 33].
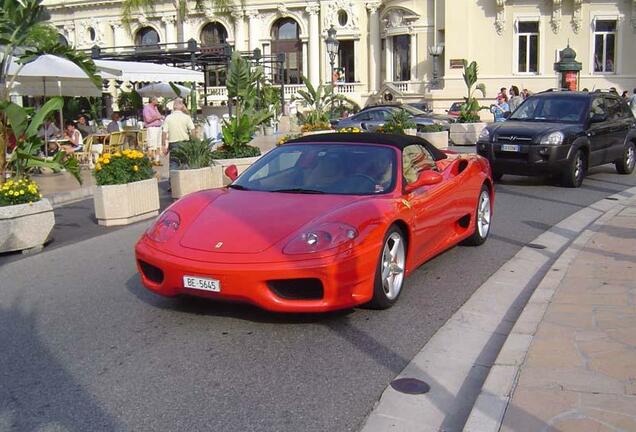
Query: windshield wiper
[237, 187]
[299, 190]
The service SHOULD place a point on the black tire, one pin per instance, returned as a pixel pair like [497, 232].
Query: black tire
[497, 175]
[380, 299]
[479, 236]
[575, 172]
[626, 164]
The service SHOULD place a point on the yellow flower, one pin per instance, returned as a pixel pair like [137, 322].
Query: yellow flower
[21, 192]
[98, 166]
[41, 196]
[106, 161]
[135, 168]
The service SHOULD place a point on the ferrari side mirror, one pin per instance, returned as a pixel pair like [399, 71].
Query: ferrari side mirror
[426, 178]
[232, 172]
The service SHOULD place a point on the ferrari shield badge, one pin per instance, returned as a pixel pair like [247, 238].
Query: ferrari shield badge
[218, 245]
[406, 203]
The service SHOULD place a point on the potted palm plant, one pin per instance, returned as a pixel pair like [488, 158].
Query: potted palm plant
[126, 190]
[318, 103]
[195, 168]
[26, 217]
[468, 126]
[239, 130]
[401, 123]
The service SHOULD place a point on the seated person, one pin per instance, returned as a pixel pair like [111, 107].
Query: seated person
[84, 127]
[49, 130]
[415, 160]
[113, 126]
[378, 170]
[75, 137]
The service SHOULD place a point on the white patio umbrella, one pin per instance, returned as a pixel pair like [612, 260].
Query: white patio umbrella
[163, 90]
[50, 75]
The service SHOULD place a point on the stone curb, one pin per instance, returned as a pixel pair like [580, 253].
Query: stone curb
[490, 407]
[456, 361]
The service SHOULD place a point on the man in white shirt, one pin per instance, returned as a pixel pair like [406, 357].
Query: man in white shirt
[177, 126]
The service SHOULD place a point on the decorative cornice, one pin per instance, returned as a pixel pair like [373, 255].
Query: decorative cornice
[500, 19]
[577, 21]
[237, 13]
[169, 20]
[373, 6]
[282, 8]
[313, 9]
[252, 13]
[555, 21]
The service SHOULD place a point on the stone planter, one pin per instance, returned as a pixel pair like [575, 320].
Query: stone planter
[438, 139]
[410, 131]
[465, 133]
[269, 130]
[184, 182]
[219, 179]
[25, 226]
[126, 203]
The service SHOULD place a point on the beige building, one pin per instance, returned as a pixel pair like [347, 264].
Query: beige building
[389, 49]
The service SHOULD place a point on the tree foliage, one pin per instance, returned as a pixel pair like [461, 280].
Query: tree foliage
[469, 111]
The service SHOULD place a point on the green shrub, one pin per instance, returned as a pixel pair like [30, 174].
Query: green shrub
[430, 128]
[193, 154]
[226, 152]
[399, 120]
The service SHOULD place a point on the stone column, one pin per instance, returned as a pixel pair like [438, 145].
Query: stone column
[375, 46]
[413, 56]
[253, 29]
[170, 29]
[239, 29]
[314, 44]
[388, 60]
[306, 61]
[69, 29]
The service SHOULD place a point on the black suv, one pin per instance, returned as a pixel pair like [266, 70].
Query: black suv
[562, 133]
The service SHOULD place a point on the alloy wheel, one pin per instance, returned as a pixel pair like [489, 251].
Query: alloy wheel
[393, 261]
[483, 214]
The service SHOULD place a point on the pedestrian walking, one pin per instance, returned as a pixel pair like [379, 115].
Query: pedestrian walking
[515, 98]
[153, 120]
[500, 109]
[178, 127]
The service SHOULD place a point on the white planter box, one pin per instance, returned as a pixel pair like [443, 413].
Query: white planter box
[126, 203]
[25, 226]
[184, 182]
[318, 132]
[410, 131]
[438, 139]
[465, 133]
[219, 179]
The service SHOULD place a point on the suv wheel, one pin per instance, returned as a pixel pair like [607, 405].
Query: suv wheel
[575, 171]
[626, 164]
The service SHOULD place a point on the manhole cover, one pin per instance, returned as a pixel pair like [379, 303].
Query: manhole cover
[410, 386]
[535, 246]
[611, 198]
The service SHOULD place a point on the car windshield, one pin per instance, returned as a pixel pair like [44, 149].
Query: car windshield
[412, 110]
[559, 109]
[343, 169]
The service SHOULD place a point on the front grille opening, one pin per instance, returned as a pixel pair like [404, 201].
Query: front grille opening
[152, 273]
[297, 289]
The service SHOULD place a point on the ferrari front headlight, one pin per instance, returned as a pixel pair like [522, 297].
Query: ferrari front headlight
[320, 238]
[166, 225]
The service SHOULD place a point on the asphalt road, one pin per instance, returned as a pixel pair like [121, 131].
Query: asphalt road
[84, 347]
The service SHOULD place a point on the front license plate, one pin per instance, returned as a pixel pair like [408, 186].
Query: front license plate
[510, 147]
[201, 283]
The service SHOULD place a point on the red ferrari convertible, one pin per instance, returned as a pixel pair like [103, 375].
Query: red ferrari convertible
[320, 223]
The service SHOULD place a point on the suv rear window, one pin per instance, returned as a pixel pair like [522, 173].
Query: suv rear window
[559, 109]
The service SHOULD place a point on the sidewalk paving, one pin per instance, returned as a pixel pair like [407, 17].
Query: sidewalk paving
[579, 372]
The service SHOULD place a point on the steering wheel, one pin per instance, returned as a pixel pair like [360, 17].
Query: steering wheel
[370, 182]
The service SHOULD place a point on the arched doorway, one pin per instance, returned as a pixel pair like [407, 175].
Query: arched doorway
[147, 37]
[286, 39]
[212, 34]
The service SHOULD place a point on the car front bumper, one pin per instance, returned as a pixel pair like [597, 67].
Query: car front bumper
[347, 279]
[530, 159]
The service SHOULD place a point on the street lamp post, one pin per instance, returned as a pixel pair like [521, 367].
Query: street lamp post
[435, 51]
[332, 49]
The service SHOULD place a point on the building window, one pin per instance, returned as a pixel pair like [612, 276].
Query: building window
[286, 39]
[147, 36]
[347, 60]
[213, 34]
[402, 57]
[604, 45]
[528, 46]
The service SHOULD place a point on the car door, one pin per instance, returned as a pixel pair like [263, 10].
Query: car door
[432, 206]
[618, 128]
[360, 120]
[599, 131]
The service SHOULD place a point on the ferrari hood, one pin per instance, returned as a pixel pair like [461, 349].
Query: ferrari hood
[251, 222]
